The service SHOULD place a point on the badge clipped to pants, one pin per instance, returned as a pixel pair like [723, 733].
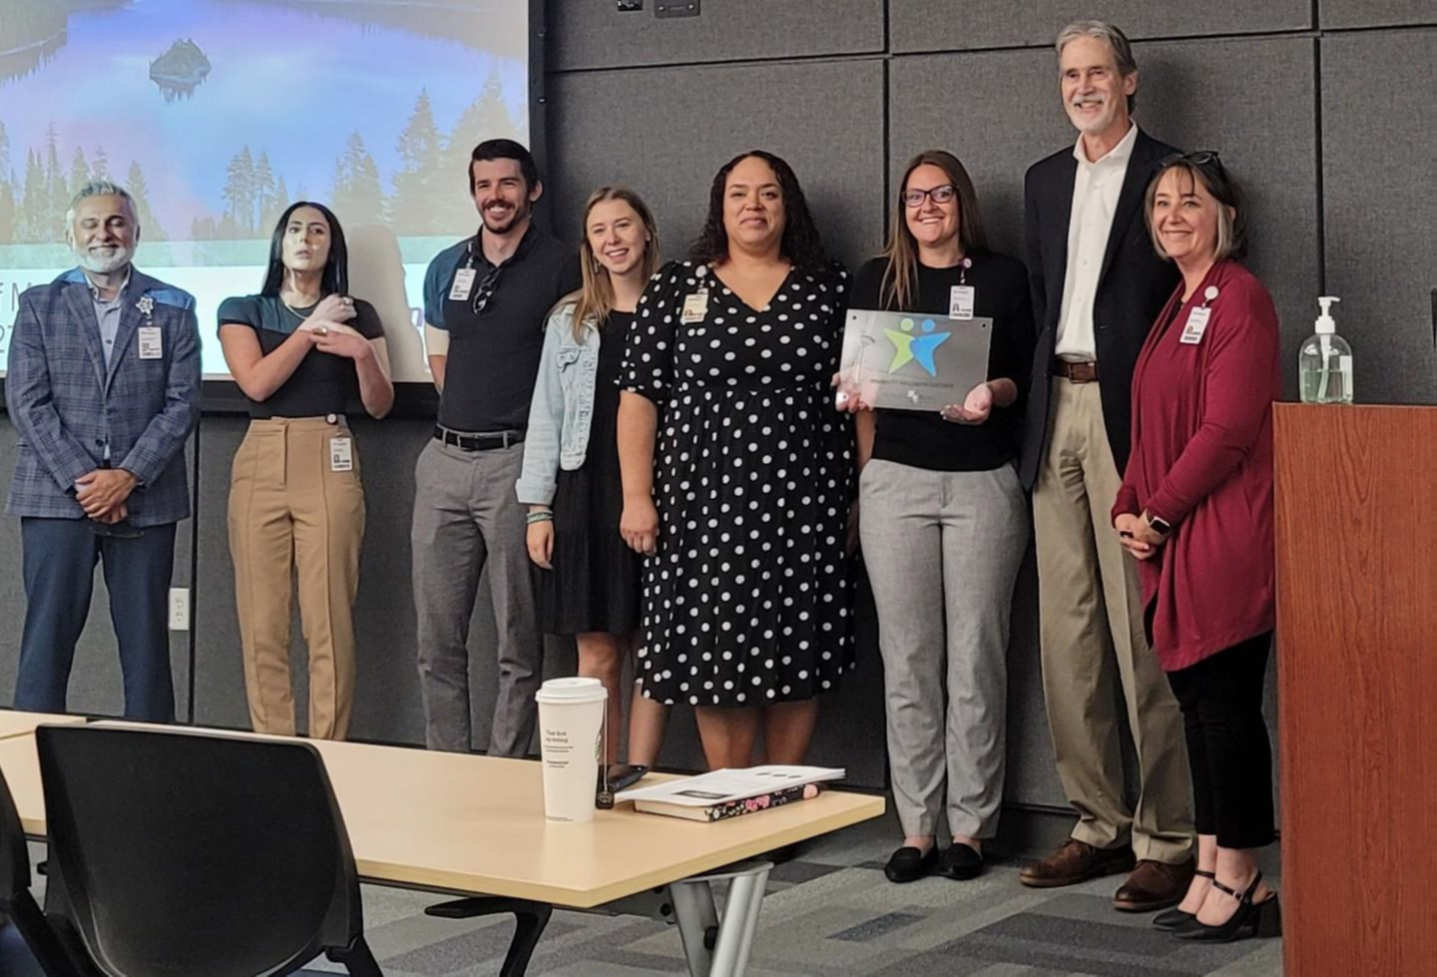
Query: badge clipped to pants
[341, 454]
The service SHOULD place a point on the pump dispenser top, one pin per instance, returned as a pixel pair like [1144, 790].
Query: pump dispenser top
[1325, 323]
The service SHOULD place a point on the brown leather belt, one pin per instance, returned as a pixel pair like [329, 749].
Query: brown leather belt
[1075, 372]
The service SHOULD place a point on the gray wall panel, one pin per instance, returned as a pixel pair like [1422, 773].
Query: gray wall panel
[95, 686]
[595, 34]
[1379, 178]
[665, 132]
[1375, 13]
[942, 25]
[1269, 143]
[676, 127]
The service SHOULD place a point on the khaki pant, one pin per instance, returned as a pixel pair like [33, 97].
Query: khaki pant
[288, 508]
[1094, 646]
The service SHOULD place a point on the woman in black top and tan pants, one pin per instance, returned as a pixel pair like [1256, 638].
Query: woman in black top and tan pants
[300, 351]
[944, 524]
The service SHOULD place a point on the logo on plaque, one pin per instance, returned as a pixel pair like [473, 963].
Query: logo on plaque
[908, 348]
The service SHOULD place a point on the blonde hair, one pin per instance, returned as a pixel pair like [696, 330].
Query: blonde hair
[900, 278]
[595, 297]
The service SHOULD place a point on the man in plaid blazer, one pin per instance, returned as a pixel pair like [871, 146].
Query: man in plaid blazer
[104, 389]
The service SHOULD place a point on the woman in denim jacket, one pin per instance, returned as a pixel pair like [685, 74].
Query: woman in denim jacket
[571, 479]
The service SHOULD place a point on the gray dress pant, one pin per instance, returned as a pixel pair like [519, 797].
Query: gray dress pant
[466, 517]
[943, 551]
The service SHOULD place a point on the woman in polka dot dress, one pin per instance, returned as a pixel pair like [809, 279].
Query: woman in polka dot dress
[737, 472]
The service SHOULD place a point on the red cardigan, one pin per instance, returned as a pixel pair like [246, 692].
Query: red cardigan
[1202, 461]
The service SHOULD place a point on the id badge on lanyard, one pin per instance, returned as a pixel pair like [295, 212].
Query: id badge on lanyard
[1196, 325]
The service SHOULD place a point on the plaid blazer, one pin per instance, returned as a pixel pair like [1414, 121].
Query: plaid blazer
[67, 406]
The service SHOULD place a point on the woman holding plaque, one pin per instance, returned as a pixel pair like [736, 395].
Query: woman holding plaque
[737, 473]
[944, 524]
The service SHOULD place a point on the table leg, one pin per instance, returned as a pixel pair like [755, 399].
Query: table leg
[695, 912]
[694, 909]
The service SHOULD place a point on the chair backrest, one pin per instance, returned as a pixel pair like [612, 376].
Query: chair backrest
[188, 853]
[14, 854]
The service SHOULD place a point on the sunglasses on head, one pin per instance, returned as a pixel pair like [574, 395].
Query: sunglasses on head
[1200, 157]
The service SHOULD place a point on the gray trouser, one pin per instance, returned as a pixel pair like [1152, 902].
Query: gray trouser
[943, 551]
[466, 517]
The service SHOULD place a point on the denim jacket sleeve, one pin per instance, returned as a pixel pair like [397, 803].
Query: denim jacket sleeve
[546, 418]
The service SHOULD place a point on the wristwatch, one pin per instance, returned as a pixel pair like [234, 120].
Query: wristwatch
[1158, 525]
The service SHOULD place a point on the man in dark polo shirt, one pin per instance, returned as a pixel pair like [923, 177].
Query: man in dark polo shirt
[485, 302]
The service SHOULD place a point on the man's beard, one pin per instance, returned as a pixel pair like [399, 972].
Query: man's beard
[104, 265]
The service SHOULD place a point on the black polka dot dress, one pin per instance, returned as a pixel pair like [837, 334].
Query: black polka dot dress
[747, 600]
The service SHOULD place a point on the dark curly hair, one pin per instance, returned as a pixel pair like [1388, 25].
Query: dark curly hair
[801, 243]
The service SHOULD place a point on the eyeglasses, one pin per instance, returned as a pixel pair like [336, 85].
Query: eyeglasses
[485, 291]
[1200, 157]
[941, 195]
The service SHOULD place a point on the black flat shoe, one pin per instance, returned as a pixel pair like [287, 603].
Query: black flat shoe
[1252, 919]
[960, 862]
[909, 864]
[1172, 920]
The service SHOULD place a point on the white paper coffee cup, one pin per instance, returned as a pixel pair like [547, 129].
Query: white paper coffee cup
[571, 727]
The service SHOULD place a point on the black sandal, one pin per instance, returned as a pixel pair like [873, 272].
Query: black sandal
[1171, 919]
[1260, 919]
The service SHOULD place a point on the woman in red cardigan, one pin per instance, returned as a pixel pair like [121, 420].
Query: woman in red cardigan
[1196, 508]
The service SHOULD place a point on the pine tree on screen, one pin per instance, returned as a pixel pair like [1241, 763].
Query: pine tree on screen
[417, 200]
[139, 188]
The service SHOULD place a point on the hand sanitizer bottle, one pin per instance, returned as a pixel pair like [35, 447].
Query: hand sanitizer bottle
[1324, 365]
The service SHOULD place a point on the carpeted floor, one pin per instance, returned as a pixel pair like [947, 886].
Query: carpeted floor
[830, 911]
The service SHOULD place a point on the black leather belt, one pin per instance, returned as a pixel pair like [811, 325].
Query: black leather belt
[477, 442]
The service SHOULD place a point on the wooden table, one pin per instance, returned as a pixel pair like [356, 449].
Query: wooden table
[16, 723]
[474, 825]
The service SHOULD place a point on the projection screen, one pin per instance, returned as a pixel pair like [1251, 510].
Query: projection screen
[216, 114]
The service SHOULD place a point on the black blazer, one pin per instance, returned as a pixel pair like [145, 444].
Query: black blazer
[1133, 286]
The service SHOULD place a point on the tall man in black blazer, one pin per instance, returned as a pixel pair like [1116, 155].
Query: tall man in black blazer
[1097, 286]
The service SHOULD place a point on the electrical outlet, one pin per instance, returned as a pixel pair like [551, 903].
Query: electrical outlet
[676, 8]
[179, 608]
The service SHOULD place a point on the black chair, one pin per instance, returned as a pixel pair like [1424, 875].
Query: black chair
[15, 898]
[185, 853]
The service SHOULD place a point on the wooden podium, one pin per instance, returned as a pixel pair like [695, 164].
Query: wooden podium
[1357, 663]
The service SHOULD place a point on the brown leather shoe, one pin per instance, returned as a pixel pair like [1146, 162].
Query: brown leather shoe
[1154, 886]
[1076, 861]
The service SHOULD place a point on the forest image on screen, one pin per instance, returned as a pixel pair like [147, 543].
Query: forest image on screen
[217, 114]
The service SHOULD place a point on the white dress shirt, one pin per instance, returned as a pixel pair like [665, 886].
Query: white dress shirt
[1096, 187]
